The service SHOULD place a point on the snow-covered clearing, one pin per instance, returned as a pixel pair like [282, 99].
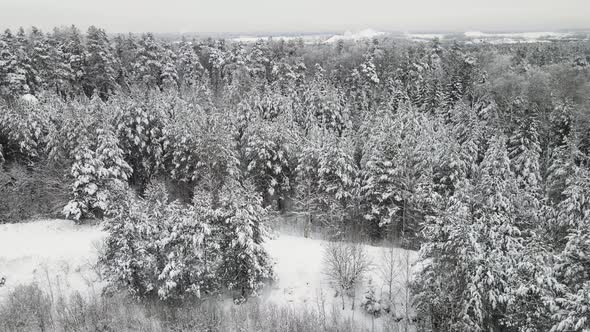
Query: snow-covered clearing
[61, 256]
[57, 254]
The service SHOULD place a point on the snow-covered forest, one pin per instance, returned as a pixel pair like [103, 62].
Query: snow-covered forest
[447, 182]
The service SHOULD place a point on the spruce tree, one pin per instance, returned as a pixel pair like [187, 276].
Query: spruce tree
[148, 63]
[13, 82]
[99, 65]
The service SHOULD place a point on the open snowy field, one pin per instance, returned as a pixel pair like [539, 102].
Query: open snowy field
[61, 256]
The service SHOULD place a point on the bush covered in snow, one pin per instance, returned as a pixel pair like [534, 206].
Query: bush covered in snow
[161, 249]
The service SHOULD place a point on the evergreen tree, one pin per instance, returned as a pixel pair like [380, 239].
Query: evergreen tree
[39, 53]
[190, 69]
[475, 244]
[23, 55]
[61, 73]
[245, 264]
[12, 76]
[74, 54]
[169, 75]
[158, 249]
[148, 63]
[567, 292]
[99, 65]
[525, 154]
[398, 173]
[328, 181]
[125, 51]
[268, 155]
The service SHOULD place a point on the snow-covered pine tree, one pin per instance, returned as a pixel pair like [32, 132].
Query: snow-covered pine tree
[60, 76]
[328, 180]
[160, 249]
[40, 58]
[217, 59]
[80, 139]
[125, 51]
[87, 172]
[268, 155]
[139, 128]
[469, 262]
[22, 52]
[398, 165]
[524, 152]
[525, 157]
[201, 151]
[100, 75]
[23, 128]
[74, 54]
[13, 83]
[148, 63]
[189, 66]
[245, 264]
[259, 61]
[169, 75]
[118, 172]
[325, 104]
[567, 293]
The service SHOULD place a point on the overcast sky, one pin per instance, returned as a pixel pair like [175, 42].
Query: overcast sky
[298, 15]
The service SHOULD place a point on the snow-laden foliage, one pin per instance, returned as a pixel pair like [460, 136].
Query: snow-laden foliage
[244, 263]
[169, 75]
[95, 160]
[99, 64]
[324, 104]
[268, 151]
[23, 130]
[200, 151]
[372, 304]
[189, 67]
[139, 128]
[470, 259]
[398, 171]
[148, 62]
[166, 250]
[567, 292]
[12, 75]
[476, 153]
[328, 180]
[159, 249]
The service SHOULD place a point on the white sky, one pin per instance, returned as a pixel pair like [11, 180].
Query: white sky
[297, 15]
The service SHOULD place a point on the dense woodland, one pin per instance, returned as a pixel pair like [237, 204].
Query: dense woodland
[475, 154]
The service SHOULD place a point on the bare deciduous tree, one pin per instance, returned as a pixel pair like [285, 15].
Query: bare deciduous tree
[345, 265]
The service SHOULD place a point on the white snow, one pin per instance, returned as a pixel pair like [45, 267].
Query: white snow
[316, 38]
[54, 253]
[60, 255]
[29, 98]
[515, 37]
[301, 281]
[348, 35]
[308, 39]
[523, 35]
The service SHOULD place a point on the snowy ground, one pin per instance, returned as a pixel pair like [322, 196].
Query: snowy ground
[61, 256]
[57, 254]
